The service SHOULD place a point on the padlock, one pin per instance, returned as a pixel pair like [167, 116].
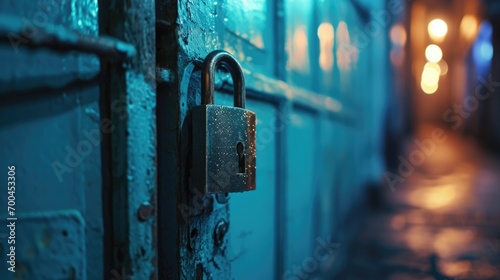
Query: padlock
[223, 151]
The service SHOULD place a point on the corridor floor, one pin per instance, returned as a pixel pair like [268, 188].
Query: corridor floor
[441, 221]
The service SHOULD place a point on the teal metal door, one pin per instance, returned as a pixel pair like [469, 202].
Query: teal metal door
[302, 75]
[77, 121]
[98, 132]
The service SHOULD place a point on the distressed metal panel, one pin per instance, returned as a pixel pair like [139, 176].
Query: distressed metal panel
[301, 187]
[33, 155]
[253, 219]
[54, 155]
[49, 245]
[92, 185]
[63, 158]
[48, 101]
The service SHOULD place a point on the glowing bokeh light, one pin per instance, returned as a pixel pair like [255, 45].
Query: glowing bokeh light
[433, 53]
[325, 31]
[344, 47]
[482, 48]
[326, 40]
[486, 50]
[299, 51]
[398, 35]
[433, 66]
[443, 66]
[435, 198]
[397, 57]
[469, 27]
[428, 89]
[437, 29]
[430, 76]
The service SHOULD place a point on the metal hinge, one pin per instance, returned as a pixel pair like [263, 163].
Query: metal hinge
[55, 37]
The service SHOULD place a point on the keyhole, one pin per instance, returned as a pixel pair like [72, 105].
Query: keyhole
[240, 148]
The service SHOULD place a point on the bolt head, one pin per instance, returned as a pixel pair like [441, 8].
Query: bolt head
[145, 211]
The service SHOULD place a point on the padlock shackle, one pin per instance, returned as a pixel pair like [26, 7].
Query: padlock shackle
[212, 61]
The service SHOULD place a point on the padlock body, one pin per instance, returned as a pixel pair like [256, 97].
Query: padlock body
[217, 161]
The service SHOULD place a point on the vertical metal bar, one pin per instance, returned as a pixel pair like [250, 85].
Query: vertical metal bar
[318, 178]
[316, 74]
[279, 72]
[168, 123]
[131, 91]
[279, 39]
[284, 109]
[107, 194]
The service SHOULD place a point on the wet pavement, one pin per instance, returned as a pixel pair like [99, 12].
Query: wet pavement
[440, 221]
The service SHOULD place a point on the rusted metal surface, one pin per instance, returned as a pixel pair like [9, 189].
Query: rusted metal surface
[50, 245]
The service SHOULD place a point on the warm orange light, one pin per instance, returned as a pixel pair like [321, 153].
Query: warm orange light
[434, 198]
[429, 89]
[344, 47]
[299, 56]
[325, 32]
[434, 67]
[443, 66]
[398, 35]
[468, 27]
[437, 29]
[430, 77]
[397, 57]
[326, 40]
[433, 53]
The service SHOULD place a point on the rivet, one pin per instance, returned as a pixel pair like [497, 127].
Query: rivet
[145, 211]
